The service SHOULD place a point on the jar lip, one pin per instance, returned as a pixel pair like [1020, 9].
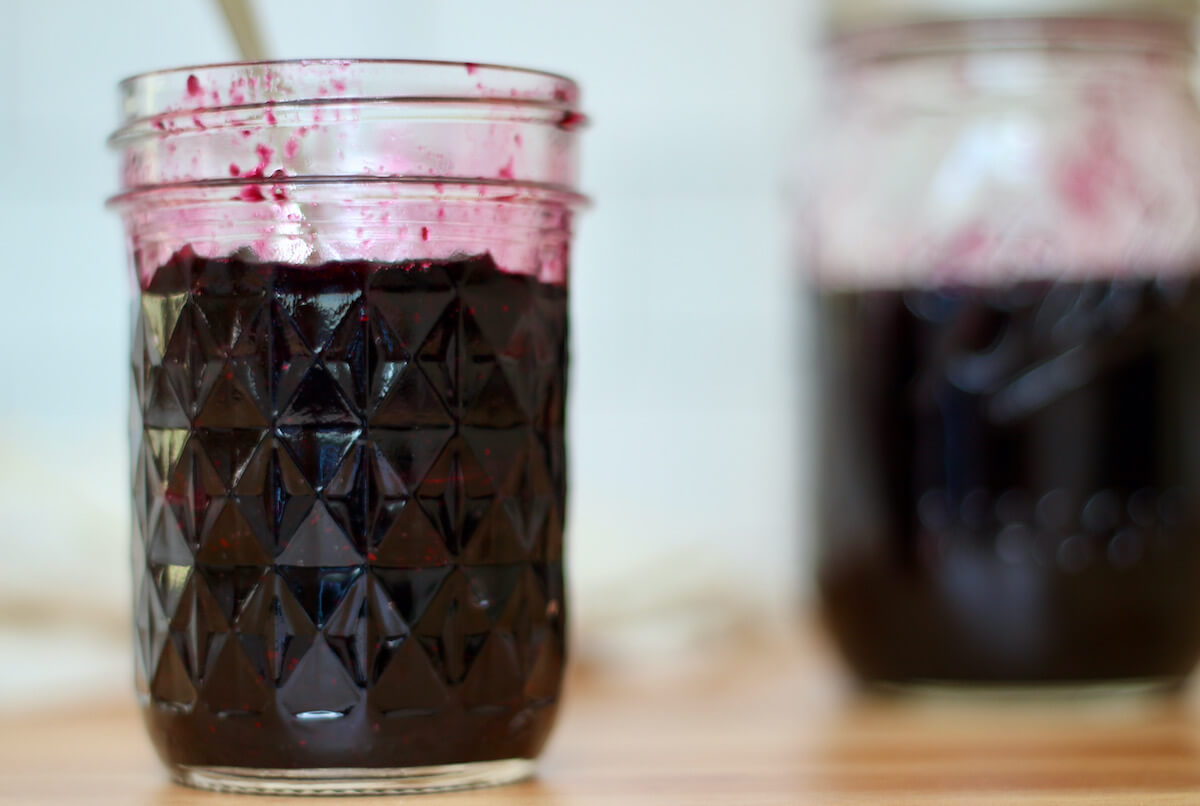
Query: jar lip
[202, 87]
[847, 16]
[1096, 34]
[191, 68]
[441, 188]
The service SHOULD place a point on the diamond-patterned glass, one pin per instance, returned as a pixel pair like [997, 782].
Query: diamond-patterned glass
[349, 489]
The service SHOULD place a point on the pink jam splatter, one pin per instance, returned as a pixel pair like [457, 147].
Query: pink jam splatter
[270, 114]
[194, 90]
[506, 172]
[1086, 181]
[251, 193]
[424, 233]
[339, 85]
[1081, 187]
[291, 147]
[264, 155]
[970, 242]
[471, 68]
[199, 124]
[234, 170]
[570, 120]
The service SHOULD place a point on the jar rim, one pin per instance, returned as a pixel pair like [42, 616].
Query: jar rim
[441, 188]
[203, 87]
[845, 16]
[1076, 34]
[281, 121]
[305, 62]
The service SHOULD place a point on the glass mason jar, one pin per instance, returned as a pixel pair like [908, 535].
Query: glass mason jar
[348, 393]
[1005, 242]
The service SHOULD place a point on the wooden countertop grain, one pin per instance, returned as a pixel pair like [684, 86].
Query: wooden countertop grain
[769, 724]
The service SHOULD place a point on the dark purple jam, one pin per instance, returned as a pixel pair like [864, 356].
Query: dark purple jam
[349, 494]
[1008, 480]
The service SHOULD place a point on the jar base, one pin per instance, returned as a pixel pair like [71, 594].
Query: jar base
[354, 780]
[1031, 690]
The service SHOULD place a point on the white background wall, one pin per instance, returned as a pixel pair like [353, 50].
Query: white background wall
[685, 431]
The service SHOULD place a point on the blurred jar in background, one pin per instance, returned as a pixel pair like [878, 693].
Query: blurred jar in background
[1006, 237]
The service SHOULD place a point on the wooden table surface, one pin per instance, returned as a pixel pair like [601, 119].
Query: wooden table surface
[772, 724]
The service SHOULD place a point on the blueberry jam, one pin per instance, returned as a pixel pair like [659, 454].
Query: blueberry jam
[1008, 480]
[349, 493]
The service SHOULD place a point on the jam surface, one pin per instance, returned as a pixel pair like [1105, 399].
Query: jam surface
[349, 497]
[1008, 480]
